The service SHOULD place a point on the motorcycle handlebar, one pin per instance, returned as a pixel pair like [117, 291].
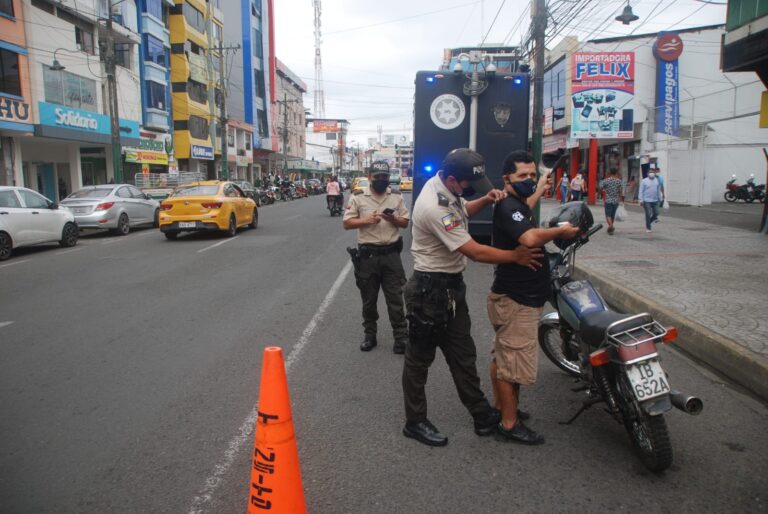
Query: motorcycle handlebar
[594, 229]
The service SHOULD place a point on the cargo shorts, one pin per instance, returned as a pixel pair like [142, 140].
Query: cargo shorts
[514, 345]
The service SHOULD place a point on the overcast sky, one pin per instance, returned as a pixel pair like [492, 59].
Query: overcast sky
[371, 50]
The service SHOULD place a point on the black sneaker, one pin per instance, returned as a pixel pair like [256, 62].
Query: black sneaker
[425, 432]
[399, 346]
[368, 344]
[518, 434]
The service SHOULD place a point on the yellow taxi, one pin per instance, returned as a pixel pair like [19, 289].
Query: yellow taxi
[406, 184]
[359, 183]
[206, 206]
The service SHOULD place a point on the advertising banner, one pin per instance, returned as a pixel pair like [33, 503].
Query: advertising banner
[325, 126]
[602, 94]
[61, 116]
[667, 49]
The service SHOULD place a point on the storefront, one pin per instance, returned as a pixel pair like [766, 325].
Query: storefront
[153, 155]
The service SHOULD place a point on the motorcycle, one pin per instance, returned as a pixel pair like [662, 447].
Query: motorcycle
[266, 196]
[736, 191]
[612, 355]
[756, 190]
[335, 204]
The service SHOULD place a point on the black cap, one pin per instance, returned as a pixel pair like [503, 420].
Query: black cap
[466, 164]
[378, 167]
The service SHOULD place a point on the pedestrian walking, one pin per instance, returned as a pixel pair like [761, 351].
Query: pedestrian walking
[577, 186]
[613, 194]
[564, 188]
[650, 197]
[378, 214]
[518, 295]
[435, 295]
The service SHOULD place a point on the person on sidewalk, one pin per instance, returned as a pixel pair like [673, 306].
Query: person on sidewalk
[564, 188]
[378, 215]
[518, 295]
[650, 196]
[613, 194]
[435, 295]
[577, 186]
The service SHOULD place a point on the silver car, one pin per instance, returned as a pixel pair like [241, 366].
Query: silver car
[117, 207]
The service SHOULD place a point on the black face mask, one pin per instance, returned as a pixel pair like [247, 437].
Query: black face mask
[380, 185]
[466, 192]
[525, 188]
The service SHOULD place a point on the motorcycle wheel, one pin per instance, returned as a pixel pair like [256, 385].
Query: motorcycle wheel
[749, 199]
[729, 196]
[648, 434]
[552, 345]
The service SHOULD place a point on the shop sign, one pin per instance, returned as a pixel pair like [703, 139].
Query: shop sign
[667, 50]
[242, 160]
[325, 126]
[56, 115]
[549, 117]
[13, 110]
[202, 152]
[153, 145]
[173, 169]
[145, 157]
[602, 94]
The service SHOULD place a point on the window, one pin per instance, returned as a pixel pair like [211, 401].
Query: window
[9, 73]
[8, 199]
[198, 127]
[155, 95]
[194, 17]
[62, 87]
[33, 200]
[197, 91]
[155, 8]
[84, 40]
[263, 125]
[137, 193]
[6, 7]
[230, 138]
[154, 51]
[123, 55]
[123, 192]
[45, 6]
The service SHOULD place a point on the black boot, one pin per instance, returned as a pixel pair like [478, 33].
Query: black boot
[399, 347]
[368, 344]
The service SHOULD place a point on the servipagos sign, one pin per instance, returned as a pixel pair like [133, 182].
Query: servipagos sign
[667, 50]
[61, 116]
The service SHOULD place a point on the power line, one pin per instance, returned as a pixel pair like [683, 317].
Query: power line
[493, 22]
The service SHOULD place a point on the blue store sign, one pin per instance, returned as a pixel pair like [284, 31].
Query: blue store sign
[667, 50]
[70, 123]
[202, 152]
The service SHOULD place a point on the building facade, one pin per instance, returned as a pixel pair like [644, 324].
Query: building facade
[291, 118]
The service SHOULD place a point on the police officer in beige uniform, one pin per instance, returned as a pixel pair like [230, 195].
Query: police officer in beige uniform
[435, 296]
[378, 214]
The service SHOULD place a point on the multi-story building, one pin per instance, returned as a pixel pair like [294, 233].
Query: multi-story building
[196, 28]
[240, 151]
[252, 78]
[291, 117]
[15, 92]
[72, 143]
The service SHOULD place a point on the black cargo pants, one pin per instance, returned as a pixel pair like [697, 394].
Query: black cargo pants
[438, 316]
[382, 271]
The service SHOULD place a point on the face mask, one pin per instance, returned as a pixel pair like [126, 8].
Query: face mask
[651, 175]
[466, 192]
[380, 186]
[525, 188]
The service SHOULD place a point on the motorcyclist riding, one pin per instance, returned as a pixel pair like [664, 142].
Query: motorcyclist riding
[333, 192]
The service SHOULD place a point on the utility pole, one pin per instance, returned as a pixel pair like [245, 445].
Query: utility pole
[285, 133]
[114, 113]
[223, 108]
[539, 27]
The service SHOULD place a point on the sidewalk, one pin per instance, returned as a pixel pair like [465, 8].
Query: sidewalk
[709, 281]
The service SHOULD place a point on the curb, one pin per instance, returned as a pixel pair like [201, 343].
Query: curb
[739, 364]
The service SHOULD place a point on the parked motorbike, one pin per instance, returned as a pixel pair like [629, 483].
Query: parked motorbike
[335, 204]
[612, 355]
[736, 191]
[266, 196]
[756, 190]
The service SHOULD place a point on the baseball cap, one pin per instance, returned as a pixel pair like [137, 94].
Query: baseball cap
[378, 168]
[466, 164]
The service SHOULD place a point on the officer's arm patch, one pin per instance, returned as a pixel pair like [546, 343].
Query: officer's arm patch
[450, 221]
[518, 216]
[442, 200]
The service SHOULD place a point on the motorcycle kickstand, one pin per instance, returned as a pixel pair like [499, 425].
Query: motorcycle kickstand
[584, 406]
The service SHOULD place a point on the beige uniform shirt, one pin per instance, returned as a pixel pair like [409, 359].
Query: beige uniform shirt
[440, 226]
[363, 204]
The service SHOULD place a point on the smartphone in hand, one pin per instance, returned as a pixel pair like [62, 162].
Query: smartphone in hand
[388, 211]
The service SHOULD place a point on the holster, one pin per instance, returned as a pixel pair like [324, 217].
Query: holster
[354, 254]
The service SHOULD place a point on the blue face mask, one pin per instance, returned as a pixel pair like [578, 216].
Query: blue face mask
[525, 188]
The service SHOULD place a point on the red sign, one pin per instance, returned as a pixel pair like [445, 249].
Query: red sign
[325, 126]
[668, 47]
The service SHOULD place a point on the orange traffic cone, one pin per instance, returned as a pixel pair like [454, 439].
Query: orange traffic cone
[275, 475]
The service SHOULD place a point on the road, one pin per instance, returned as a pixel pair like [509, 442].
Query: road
[129, 371]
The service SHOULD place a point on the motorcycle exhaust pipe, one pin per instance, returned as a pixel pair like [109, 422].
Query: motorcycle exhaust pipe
[688, 404]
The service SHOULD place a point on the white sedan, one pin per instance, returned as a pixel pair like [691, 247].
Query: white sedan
[28, 218]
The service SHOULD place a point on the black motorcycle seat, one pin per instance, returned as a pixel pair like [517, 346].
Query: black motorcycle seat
[594, 325]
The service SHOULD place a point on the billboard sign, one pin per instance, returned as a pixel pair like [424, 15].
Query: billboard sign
[667, 50]
[325, 126]
[602, 94]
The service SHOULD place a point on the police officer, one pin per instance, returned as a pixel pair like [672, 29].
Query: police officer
[435, 295]
[378, 214]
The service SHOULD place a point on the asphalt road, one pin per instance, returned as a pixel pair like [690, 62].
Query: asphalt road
[129, 371]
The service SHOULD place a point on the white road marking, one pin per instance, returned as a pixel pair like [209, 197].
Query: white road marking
[110, 241]
[217, 244]
[244, 433]
[68, 251]
[289, 218]
[5, 323]
[14, 263]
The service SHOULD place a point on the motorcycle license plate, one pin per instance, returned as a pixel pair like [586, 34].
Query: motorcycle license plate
[648, 379]
[187, 224]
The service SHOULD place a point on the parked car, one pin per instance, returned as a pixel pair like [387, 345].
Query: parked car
[28, 218]
[314, 186]
[359, 183]
[117, 207]
[205, 206]
[249, 191]
[406, 184]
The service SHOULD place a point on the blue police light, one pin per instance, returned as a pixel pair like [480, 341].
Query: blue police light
[430, 79]
[518, 80]
[428, 168]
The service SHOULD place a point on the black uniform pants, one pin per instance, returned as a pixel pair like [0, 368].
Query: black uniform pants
[385, 272]
[434, 323]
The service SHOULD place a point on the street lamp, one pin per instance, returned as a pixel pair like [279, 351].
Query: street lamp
[475, 86]
[627, 16]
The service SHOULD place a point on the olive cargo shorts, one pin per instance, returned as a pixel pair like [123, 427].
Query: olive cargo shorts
[514, 345]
